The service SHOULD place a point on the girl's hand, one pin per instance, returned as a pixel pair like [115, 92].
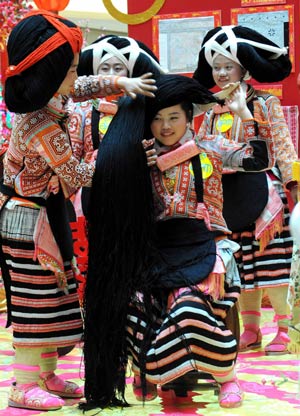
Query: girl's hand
[94, 155]
[142, 85]
[150, 154]
[236, 102]
[53, 185]
[294, 194]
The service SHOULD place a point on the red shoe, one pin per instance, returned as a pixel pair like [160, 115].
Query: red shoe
[250, 338]
[231, 394]
[31, 396]
[278, 346]
[151, 390]
[55, 385]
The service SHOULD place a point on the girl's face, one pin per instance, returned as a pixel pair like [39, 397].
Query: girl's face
[225, 70]
[113, 66]
[68, 83]
[169, 125]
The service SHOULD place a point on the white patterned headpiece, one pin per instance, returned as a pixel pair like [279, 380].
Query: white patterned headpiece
[229, 47]
[133, 50]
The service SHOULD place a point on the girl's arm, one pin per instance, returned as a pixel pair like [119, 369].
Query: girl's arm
[256, 154]
[95, 86]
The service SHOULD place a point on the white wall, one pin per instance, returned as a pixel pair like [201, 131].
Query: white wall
[93, 15]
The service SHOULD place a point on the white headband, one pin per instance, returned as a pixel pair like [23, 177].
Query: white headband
[133, 50]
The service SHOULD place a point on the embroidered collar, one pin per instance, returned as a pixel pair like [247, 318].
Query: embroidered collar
[58, 107]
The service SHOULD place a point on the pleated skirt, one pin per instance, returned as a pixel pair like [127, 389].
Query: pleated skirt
[42, 315]
[270, 267]
[188, 336]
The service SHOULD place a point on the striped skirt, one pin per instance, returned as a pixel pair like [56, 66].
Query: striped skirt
[42, 314]
[270, 267]
[189, 336]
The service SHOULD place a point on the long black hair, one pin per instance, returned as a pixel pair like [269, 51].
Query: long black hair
[122, 241]
[120, 249]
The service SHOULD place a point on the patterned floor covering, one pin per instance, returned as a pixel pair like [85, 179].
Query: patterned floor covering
[271, 386]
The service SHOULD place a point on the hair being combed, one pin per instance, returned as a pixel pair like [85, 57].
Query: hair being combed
[120, 235]
[123, 253]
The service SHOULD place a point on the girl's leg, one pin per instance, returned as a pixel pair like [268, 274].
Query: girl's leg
[25, 392]
[150, 392]
[26, 367]
[250, 308]
[51, 382]
[231, 394]
[278, 299]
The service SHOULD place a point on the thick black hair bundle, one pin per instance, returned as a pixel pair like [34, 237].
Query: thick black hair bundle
[120, 234]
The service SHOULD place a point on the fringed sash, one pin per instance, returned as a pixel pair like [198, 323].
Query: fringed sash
[270, 222]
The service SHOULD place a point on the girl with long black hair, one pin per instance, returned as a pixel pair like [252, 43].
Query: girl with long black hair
[161, 274]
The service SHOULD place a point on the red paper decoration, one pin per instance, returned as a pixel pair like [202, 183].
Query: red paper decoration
[52, 5]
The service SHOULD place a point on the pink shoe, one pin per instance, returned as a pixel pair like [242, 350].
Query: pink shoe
[250, 338]
[231, 394]
[55, 385]
[278, 346]
[31, 396]
[151, 390]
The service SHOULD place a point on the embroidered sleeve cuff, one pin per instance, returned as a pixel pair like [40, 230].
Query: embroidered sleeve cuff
[109, 84]
[95, 86]
[252, 127]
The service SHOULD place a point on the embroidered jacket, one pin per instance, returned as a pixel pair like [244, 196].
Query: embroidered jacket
[265, 107]
[80, 125]
[40, 146]
[174, 190]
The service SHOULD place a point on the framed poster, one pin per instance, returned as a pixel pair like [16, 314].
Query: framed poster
[248, 3]
[274, 22]
[177, 38]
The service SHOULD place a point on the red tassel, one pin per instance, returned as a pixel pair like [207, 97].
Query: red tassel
[80, 245]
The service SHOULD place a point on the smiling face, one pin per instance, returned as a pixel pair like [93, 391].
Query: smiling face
[113, 66]
[169, 125]
[68, 83]
[225, 70]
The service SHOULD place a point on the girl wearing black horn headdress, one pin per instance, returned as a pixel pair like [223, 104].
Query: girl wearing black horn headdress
[237, 53]
[89, 121]
[162, 275]
[39, 171]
